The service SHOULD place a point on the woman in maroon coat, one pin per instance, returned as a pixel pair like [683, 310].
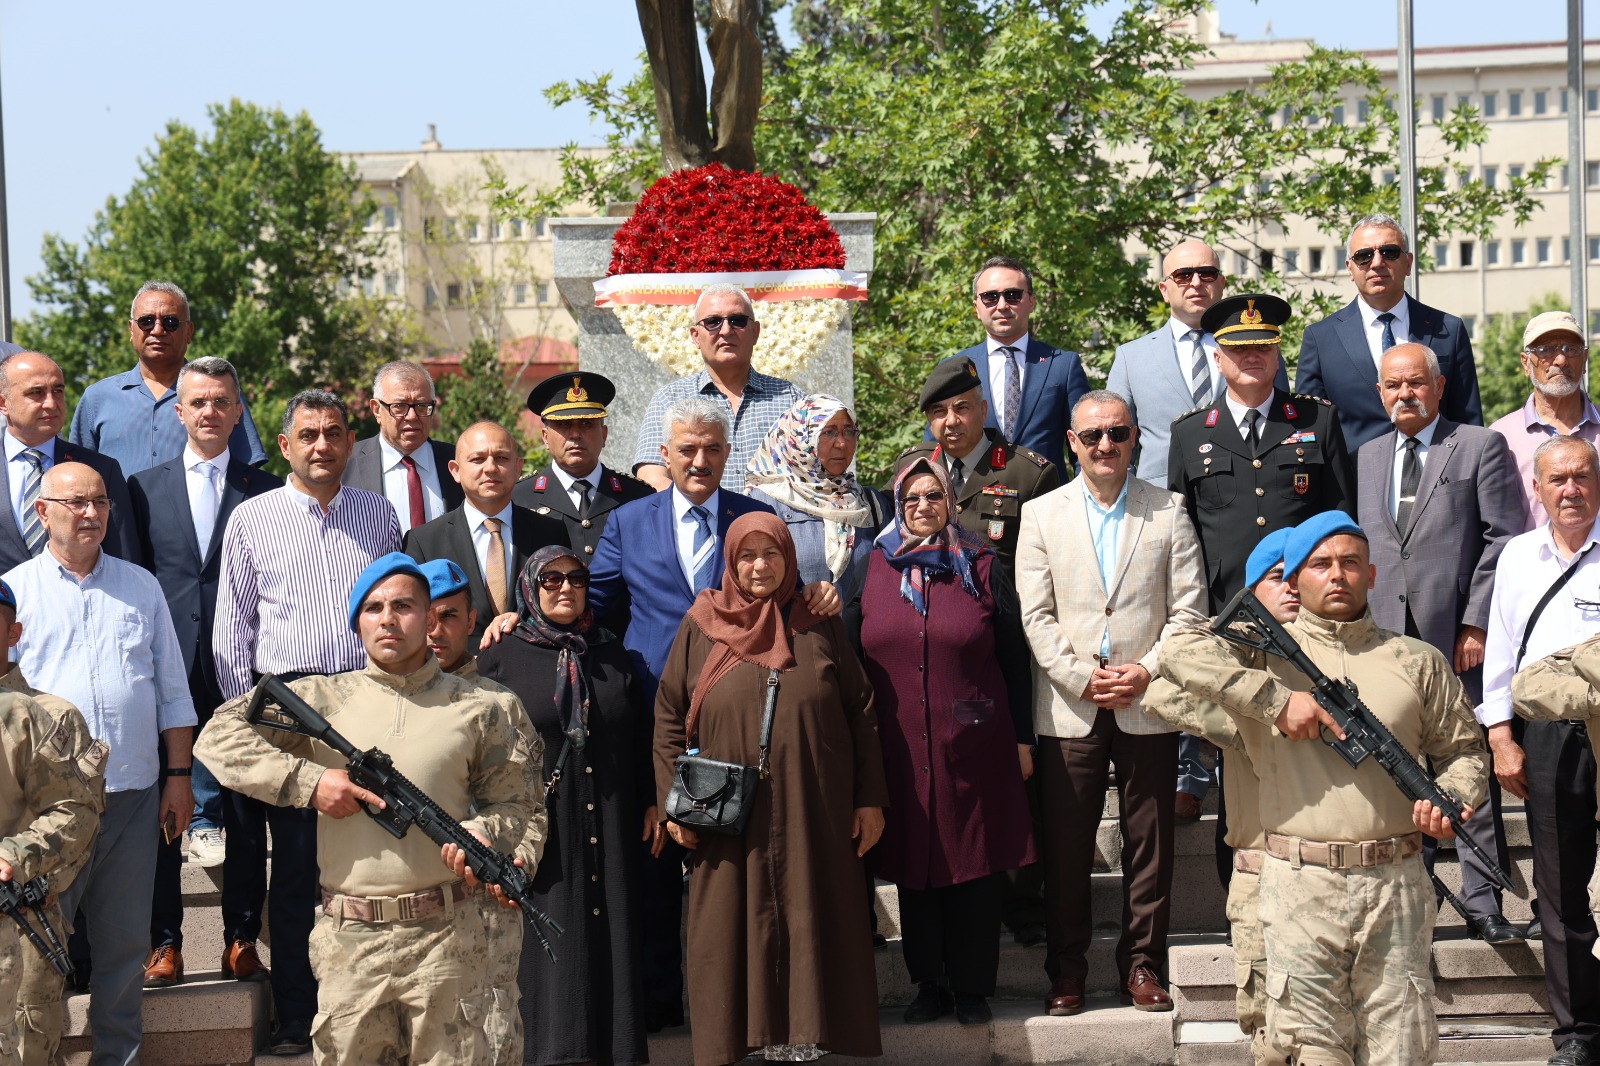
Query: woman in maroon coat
[942, 637]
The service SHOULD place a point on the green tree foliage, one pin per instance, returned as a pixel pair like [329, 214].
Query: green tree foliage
[985, 127]
[1502, 382]
[479, 394]
[261, 226]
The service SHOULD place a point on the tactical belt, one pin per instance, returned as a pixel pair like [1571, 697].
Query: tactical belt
[381, 910]
[1247, 860]
[1343, 855]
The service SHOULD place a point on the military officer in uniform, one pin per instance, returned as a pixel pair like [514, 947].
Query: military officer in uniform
[992, 477]
[575, 487]
[1259, 458]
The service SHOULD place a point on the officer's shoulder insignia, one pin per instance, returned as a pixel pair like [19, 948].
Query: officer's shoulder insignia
[1323, 400]
[1030, 455]
[1191, 413]
[918, 449]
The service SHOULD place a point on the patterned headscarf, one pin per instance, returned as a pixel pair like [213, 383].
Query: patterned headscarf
[947, 551]
[571, 694]
[787, 468]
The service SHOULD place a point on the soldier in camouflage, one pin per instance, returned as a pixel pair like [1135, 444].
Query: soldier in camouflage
[399, 949]
[51, 796]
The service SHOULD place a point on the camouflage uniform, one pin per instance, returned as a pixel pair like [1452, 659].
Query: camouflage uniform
[51, 796]
[1349, 976]
[401, 988]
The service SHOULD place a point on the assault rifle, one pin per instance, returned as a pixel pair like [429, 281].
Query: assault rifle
[406, 804]
[1245, 622]
[16, 901]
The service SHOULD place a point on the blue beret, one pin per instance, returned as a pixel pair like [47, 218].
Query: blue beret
[385, 566]
[1267, 554]
[1313, 531]
[445, 578]
[7, 597]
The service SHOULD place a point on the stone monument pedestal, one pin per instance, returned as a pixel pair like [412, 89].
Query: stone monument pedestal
[582, 251]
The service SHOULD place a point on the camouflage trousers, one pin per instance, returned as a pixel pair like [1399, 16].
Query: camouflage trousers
[10, 980]
[1349, 979]
[1249, 960]
[401, 992]
[503, 926]
[39, 1019]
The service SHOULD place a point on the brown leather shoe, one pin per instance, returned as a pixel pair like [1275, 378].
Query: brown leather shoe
[1186, 807]
[164, 967]
[241, 963]
[1066, 997]
[1145, 992]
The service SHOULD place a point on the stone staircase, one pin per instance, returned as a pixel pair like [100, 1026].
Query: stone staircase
[1490, 1000]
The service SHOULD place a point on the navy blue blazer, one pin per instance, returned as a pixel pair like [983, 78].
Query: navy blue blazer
[1053, 382]
[120, 539]
[167, 548]
[636, 570]
[1335, 363]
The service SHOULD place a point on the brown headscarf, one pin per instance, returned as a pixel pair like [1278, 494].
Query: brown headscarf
[748, 628]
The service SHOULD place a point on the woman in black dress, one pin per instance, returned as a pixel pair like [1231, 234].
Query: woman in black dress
[575, 681]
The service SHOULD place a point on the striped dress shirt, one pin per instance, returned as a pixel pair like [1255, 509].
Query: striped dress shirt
[283, 594]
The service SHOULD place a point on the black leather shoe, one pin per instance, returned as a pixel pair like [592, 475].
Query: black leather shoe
[662, 1015]
[1572, 1053]
[973, 1010]
[292, 1038]
[1534, 930]
[1494, 929]
[931, 1004]
[1029, 934]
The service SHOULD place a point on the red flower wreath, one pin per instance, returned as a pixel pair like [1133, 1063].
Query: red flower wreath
[715, 219]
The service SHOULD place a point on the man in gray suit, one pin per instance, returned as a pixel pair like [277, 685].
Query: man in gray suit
[402, 463]
[1439, 501]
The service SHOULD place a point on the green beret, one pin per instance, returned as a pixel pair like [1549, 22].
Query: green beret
[950, 378]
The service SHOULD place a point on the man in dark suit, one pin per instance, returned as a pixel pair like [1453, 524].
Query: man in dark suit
[574, 486]
[1030, 386]
[34, 405]
[488, 536]
[180, 509]
[401, 463]
[1439, 501]
[1339, 356]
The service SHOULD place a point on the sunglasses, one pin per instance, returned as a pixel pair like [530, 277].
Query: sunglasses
[170, 323]
[912, 501]
[551, 580]
[1390, 252]
[992, 297]
[713, 323]
[1184, 275]
[1091, 437]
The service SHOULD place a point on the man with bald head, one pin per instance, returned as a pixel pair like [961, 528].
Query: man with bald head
[488, 536]
[1439, 501]
[34, 404]
[403, 463]
[96, 632]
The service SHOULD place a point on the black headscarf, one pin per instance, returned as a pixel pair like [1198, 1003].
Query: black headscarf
[572, 694]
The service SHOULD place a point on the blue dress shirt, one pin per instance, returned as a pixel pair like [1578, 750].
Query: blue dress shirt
[1105, 525]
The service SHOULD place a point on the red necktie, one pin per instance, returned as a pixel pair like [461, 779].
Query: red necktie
[419, 511]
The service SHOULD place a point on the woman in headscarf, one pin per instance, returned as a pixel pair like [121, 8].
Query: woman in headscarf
[578, 687]
[941, 633]
[778, 955]
[802, 471]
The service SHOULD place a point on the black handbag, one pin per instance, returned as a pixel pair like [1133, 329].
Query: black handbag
[712, 796]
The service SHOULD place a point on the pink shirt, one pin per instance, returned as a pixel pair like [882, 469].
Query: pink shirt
[1524, 430]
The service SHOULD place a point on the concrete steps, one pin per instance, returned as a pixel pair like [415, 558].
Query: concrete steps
[202, 1022]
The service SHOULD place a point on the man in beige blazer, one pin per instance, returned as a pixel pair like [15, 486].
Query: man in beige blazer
[1107, 566]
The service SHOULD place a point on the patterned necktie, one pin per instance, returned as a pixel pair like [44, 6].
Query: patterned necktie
[1013, 404]
[1252, 432]
[495, 573]
[419, 509]
[705, 550]
[1387, 318]
[1410, 478]
[33, 534]
[958, 476]
[1199, 372]
[205, 517]
[583, 497]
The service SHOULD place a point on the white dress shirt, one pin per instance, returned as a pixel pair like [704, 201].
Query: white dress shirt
[1374, 329]
[1237, 411]
[997, 376]
[1180, 344]
[569, 483]
[1528, 566]
[18, 470]
[195, 481]
[686, 525]
[396, 489]
[1424, 441]
[480, 544]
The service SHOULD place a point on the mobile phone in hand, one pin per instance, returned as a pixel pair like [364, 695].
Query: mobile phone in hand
[169, 827]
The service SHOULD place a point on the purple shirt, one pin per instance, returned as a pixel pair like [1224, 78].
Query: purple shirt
[1524, 430]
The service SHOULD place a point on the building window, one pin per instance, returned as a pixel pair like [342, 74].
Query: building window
[1563, 101]
[494, 229]
[1541, 102]
[1514, 171]
[1514, 103]
[520, 293]
[547, 293]
[538, 227]
[430, 229]
[1592, 99]
[1566, 249]
[1464, 254]
[1363, 109]
[1591, 173]
[1441, 255]
[391, 216]
[516, 229]
[1267, 261]
[449, 229]
[1388, 177]
[1291, 260]
[452, 294]
[1519, 251]
[1491, 175]
[391, 284]
[1541, 249]
[1463, 102]
[1288, 116]
[1241, 265]
[472, 229]
[1491, 253]
[1189, 195]
[1594, 249]
[1336, 116]
[1438, 108]
[369, 286]
[1315, 261]
[1561, 177]
[430, 297]
[1491, 105]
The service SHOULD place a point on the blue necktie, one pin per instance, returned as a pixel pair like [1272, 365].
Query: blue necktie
[33, 534]
[705, 551]
[1387, 318]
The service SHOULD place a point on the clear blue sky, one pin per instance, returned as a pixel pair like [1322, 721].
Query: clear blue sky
[88, 85]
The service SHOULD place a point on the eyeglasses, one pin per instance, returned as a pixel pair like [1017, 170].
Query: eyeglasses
[402, 409]
[1390, 252]
[551, 580]
[82, 504]
[1184, 275]
[847, 433]
[170, 323]
[1091, 437]
[1546, 352]
[992, 297]
[913, 501]
[713, 323]
[222, 405]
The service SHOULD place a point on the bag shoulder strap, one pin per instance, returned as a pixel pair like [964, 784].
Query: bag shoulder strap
[766, 720]
[1544, 601]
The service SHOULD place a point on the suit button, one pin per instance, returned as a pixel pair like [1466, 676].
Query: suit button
[1256, 463]
[1261, 492]
[1261, 521]
[1405, 555]
[194, 618]
[1108, 612]
[960, 507]
[587, 523]
[1402, 599]
[589, 548]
